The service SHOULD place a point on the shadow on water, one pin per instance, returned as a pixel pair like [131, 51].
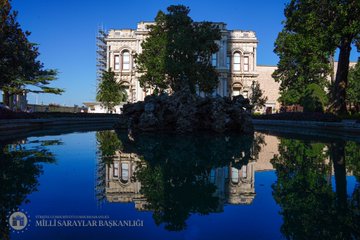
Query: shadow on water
[20, 167]
[176, 176]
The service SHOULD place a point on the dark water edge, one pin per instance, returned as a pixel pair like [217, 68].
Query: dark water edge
[203, 186]
[8, 136]
[307, 133]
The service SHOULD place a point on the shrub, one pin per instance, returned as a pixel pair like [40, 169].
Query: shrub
[314, 99]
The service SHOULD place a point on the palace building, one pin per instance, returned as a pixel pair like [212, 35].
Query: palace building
[236, 63]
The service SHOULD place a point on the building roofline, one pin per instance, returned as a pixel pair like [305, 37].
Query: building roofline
[266, 65]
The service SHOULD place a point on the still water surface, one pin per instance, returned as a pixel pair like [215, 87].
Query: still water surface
[99, 185]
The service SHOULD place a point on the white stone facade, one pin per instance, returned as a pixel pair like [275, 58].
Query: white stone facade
[235, 61]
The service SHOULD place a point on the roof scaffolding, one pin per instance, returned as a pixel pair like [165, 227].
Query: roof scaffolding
[100, 52]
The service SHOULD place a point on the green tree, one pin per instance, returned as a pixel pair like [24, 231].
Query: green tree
[19, 66]
[302, 62]
[331, 24]
[314, 99]
[353, 92]
[110, 93]
[177, 53]
[257, 100]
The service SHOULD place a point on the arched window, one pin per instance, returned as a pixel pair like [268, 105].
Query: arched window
[236, 61]
[126, 60]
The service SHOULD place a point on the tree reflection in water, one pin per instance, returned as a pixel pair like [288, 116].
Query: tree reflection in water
[310, 208]
[177, 176]
[108, 146]
[20, 167]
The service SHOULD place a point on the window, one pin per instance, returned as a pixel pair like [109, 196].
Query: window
[125, 172]
[213, 60]
[234, 175]
[116, 169]
[236, 61]
[116, 62]
[246, 64]
[125, 60]
[236, 91]
[227, 62]
[212, 175]
[244, 173]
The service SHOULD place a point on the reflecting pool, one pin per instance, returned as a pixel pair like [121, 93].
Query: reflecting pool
[101, 184]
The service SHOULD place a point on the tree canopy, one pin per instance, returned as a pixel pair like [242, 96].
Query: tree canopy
[19, 66]
[177, 53]
[302, 62]
[313, 30]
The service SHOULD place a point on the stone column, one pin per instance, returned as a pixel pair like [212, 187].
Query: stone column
[254, 58]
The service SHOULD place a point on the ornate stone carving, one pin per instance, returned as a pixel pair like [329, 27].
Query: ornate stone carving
[242, 34]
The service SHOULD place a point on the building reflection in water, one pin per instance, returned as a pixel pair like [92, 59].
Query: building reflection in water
[235, 183]
[175, 178]
[121, 184]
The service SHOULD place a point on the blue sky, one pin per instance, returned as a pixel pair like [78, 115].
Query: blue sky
[65, 31]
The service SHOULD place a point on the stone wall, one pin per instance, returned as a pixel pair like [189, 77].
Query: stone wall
[269, 86]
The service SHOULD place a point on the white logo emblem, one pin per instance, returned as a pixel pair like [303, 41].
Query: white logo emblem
[18, 221]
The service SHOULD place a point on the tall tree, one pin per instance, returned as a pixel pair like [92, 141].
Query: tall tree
[333, 24]
[19, 66]
[177, 53]
[110, 92]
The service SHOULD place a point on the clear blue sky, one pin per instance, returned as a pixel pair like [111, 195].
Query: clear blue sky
[65, 31]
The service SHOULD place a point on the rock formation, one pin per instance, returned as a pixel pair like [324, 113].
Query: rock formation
[183, 112]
